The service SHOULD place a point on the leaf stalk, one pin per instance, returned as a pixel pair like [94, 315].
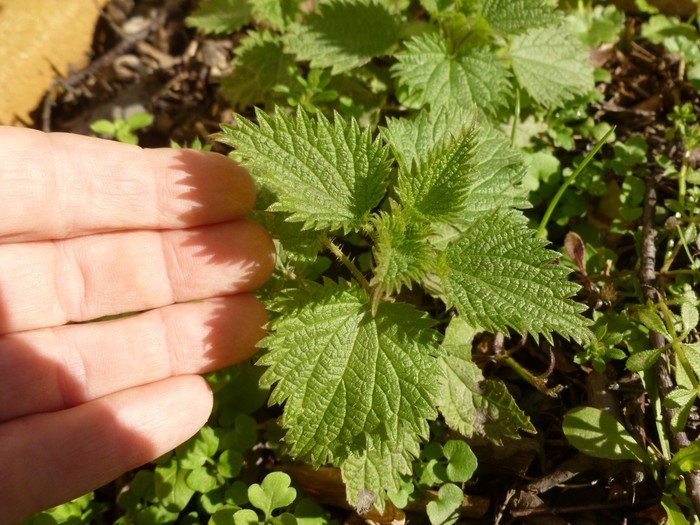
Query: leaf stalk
[542, 230]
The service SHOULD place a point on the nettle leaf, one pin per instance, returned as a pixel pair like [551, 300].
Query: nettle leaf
[498, 168]
[511, 17]
[379, 467]
[299, 245]
[401, 252]
[260, 64]
[497, 274]
[349, 377]
[438, 75]
[220, 16]
[469, 403]
[277, 13]
[551, 64]
[344, 34]
[412, 138]
[437, 185]
[326, 175]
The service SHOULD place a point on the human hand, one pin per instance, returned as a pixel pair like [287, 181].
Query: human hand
[90, 228]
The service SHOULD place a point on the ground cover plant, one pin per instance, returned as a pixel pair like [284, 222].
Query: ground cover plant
[487, 261]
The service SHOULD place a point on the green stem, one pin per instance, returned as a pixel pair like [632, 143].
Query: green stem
[541, 231]
[678, 351]
[539, 383]
[682, 176]
[335, 250]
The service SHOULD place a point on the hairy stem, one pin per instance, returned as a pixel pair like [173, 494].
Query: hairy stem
[354, 270]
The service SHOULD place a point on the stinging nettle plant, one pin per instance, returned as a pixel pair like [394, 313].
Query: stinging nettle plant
[428, 202]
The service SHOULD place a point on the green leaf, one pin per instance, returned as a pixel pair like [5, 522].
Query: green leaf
[438, 75]
[379, 466]
[643, 360]
[230, 463]
[274, 493]
[171, 486]
[260, 64]
[498, 168]
[308, 512]
[277, 13]
[461, 461]
[103, 127]
[344, 34]
[201, 480]
[244, 517]
[437, 185]
[470, 404]
[497, 274]
[689, 317]
[139, 121]
[198, 449]
[551, 64]
[401, 252]
[348, 376]
[686, 459]
[299, 245]
[243, 435]
[445, 509]
[511, 17]
[220, 16]
[674, 514]
[682, 399]
[326, 175]
[600, 435]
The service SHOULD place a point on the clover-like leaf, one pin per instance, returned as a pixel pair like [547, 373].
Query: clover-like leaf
[445, 509]
[326, 175]
[198, 449]
[274, 493]
[461, 461]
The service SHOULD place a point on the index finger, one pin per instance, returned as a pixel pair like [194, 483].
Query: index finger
[58, 185]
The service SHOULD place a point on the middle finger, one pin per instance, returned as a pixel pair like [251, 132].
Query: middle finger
[55, 282]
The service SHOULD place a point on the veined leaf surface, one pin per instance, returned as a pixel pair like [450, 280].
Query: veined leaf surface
[348, 378]
[344, 34]
[511, 17]
[551, 64]
[498, 274]
[326, 175]
[439, 75]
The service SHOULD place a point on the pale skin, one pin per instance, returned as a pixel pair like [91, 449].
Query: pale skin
[91, 228]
